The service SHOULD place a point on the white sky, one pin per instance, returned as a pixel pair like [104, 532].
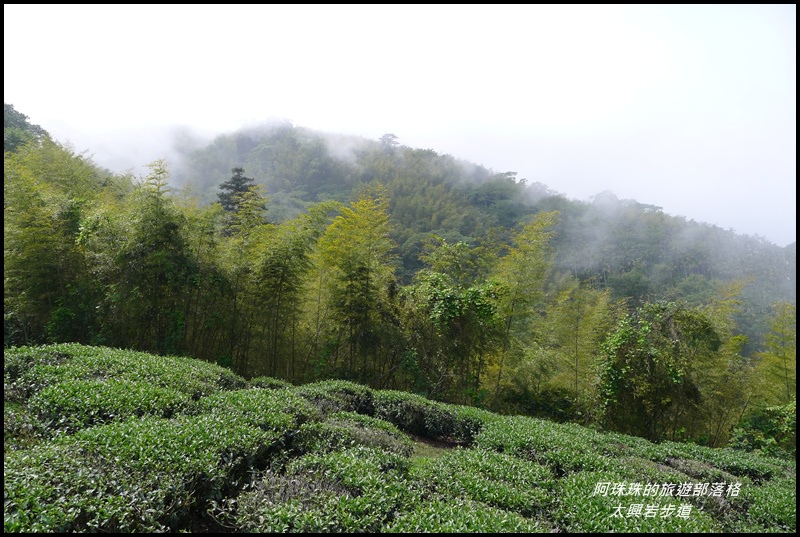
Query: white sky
[691, 108]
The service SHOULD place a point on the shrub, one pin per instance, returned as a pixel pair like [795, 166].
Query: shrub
[495, 479]
[582, 509]
[268, 383]
[347, 429]
[771, 431]
[338, 395]
[457, 515]
[358, 489]
[77, 404]
[141, 475]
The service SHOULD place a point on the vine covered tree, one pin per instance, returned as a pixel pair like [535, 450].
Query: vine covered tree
[649, 376]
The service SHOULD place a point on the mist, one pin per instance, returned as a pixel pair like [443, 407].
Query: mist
[689, 108]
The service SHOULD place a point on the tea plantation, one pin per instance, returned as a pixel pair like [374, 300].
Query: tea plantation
[106, 440]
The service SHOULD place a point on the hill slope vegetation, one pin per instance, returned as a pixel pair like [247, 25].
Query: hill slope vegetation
[102, 439]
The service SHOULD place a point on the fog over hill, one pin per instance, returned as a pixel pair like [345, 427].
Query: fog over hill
[689, 108]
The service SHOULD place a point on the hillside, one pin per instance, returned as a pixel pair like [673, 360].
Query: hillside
[306, 256]
[633, 249]
[101, 439]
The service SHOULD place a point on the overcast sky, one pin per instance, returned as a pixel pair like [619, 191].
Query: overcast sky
[691, 108]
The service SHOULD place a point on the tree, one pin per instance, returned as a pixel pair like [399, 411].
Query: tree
[357, 285]
[726, 378]
[388, 142]
[280, 271]
[153, 268]
[649, 373]
[523, 271]
[233, 189]
[208, 290]
[241, 198]
[49, 294]
[454, 331]
[17, 130]
[576, 322]
[778, 362]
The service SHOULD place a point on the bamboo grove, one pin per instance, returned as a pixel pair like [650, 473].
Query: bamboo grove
[103, 259]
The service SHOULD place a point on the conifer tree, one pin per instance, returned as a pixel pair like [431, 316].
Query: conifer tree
[233, 189]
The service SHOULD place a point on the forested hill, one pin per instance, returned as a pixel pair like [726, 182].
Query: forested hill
[635, 250]
[303, 256]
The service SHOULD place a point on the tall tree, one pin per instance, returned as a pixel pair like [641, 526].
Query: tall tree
[726, 378]
[154, 267]
[523, 272]
[48, 293]
[281, 267]
[389, 143]
[778, 362]
[577, 321]
[245, 230]
[454, 331]
[233, 189]
[237, 193]
[356, 259]
[649, 375]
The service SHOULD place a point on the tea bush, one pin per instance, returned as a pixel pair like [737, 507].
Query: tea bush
[347, 429]
[76, 404]
[494, 479]
[581, 508]
[458, 515]
[28, 370]
[140, 475]
[105, 440]
[357, 489]
[339, 395]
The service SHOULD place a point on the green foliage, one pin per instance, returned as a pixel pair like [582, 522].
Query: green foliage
[279, 410]
[563, 448]
[17, 130]
[29, 370]
[233, 189]
[769, 430]
[330, 396]
[354, 490]
[778, 363]
[275, 457]
[77, 404]
[268, 383]
[747, 467]
[354, 306]
[575, 324]
[773, 505]
[453, 329]
[425, 274]
[48, 292]
[495, 479]
[445, 515]
[582, 510]
[417, 415]
[346, 429]
[149, 271]
[523, 272]
[650, 374]
[134, 476]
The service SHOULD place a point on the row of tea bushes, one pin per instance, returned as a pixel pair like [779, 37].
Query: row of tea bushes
[109, 440]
